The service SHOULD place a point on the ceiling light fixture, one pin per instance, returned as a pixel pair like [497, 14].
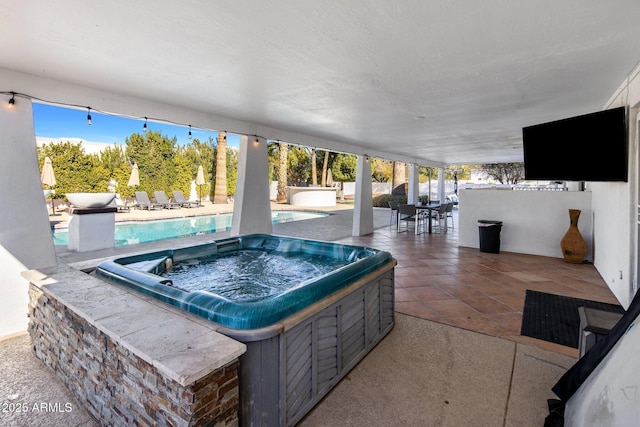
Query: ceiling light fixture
[144, 127]
[89, 122]
[189, 131]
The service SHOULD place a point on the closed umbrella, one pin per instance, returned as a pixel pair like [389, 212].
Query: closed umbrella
[200, 182]
[329, 178]
[48, 178]
[134, 179]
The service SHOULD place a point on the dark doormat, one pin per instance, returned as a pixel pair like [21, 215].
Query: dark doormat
[555, 318]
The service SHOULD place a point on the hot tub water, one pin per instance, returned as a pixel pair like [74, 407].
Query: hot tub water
[249, 275]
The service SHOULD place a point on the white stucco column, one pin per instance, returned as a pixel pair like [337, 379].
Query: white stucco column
[441, 194]
[25, 235]
[414, 184]
[252, 207]
[363, 207]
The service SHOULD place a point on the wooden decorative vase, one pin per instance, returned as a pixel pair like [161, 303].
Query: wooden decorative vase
[573, 246]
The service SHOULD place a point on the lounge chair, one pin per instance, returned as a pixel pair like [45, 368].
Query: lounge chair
[121, 205]
[143, 202]
[179, 198]
[162, 198]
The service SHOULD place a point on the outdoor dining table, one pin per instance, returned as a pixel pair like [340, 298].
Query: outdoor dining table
[429, 208]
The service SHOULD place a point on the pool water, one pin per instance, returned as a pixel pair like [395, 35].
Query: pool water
[134, 232]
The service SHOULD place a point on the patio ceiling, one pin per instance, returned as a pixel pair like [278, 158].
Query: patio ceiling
[447, 81]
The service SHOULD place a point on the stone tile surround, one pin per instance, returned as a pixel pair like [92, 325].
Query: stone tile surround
[166, 368]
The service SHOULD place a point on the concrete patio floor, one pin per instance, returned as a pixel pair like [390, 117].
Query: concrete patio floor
[455, 356]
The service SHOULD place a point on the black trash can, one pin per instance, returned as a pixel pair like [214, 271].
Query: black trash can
[489, 235]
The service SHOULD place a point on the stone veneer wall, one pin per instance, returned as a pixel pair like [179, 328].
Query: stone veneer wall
[117, 387]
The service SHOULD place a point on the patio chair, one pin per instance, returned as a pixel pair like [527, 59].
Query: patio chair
[393, 205]
[440, 214]
[179, 198]
[162, 198]
[449, 213]
[408, 214]
[121, 205]
[143, 202]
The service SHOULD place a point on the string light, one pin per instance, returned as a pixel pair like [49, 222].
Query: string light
[11, 104]
[189, 131]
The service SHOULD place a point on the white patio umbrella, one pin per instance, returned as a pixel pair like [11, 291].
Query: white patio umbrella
[48, 178]
[134, 179]
[200, 182]
[329, 178]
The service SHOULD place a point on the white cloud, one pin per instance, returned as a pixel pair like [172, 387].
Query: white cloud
[89, 146]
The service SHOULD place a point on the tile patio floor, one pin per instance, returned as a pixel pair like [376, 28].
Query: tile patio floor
[482, 292]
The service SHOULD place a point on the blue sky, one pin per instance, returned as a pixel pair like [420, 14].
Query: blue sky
[65, 123]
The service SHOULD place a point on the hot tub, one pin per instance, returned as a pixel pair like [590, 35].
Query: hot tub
[301, 338]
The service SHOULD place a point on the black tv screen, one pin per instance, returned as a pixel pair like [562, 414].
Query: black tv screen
[591, 147]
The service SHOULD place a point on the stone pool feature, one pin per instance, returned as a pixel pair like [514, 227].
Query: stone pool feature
[301, 340]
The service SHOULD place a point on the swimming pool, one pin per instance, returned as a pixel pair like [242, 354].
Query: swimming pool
[134, 232]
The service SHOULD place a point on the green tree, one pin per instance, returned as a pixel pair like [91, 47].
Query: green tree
[381, 170]
[198, 153]
[154, 154]
[116, 167]
[343, 167]
[232, 170]
[504, 173]
[299, 164]
[75, 171]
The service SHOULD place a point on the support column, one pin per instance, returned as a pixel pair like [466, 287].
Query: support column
[441, 193]
[414, 184]
[25, 240]
[252, 207]
[363, 208]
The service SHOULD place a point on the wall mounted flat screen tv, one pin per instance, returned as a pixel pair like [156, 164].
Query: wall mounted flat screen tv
[591, 147]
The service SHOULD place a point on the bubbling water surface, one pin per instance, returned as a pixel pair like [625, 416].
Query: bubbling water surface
[250, 275]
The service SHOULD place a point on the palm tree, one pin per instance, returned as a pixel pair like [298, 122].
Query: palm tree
[399, 175]
[314, 172]
[324, 168]
[282, 172]
[220, 193]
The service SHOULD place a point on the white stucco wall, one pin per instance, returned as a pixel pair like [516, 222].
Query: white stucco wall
[615, 207]
[534, 222]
